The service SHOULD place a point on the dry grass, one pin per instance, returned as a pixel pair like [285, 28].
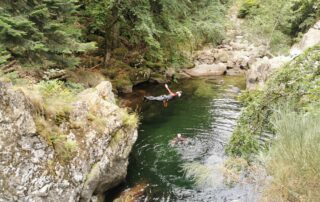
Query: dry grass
[64, 149]
[294, 160]
[233, 169]
[51, 104]
[130, 119]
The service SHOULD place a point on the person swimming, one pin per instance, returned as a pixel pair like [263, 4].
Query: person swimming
[164, 98]
[179, 139]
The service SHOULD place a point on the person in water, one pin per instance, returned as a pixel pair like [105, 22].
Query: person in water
[179, 139]
[165, 98]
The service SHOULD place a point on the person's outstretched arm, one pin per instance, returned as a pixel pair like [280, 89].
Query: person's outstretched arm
[168, 89]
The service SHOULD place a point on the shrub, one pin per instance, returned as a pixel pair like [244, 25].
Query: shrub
[246, 7]
[14, 78]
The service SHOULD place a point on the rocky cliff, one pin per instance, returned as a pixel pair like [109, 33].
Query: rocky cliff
[88, 157]
[237, 56]
[263, 67]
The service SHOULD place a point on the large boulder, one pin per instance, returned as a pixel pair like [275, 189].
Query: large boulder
[204, 56]
[139, 75]
[261, 69]
[90, 158]
[235, 72]
[223, 55]
[208, 70]
[311, 38]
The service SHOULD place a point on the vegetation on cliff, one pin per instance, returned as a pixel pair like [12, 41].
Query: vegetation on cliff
[279, 22]
[296, 84]
[287, 107]
[293, 159]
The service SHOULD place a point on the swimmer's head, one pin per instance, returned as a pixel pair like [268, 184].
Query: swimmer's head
[179, 93]
[178, 135]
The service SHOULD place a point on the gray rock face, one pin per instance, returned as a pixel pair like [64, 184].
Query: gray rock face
[237, 57]
[232, 58]
[261, 69]
[311, 38]
[29, 167]
[208, 70]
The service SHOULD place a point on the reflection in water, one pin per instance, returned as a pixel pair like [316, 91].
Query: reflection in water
[206, 114]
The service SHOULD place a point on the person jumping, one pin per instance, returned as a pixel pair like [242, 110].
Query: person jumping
[165, 98]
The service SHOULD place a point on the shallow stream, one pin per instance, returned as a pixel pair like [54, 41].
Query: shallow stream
[206, 115]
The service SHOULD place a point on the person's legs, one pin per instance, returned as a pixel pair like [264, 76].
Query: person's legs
[155, 98]
[165, 103]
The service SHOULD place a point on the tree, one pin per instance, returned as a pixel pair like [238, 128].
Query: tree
[40, 33]
[162, 30]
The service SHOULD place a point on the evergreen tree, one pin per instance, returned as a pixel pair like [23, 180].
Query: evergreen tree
[163, 29]
[41, 33]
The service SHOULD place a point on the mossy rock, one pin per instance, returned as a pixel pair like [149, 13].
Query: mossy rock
[154, 65]
[158, 78]
[122, 83]
[135, 59]
[114, 68]
[189, 65]
[117, 64]
[139, 75]
[86, 77]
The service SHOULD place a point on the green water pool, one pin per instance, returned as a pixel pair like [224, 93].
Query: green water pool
[206, 115]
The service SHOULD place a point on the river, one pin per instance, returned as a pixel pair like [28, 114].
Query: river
[206, 115]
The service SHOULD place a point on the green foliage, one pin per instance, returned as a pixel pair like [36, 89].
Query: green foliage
[14, 78]
[247, 7]
[48, 33]
[278, 21]
[57, 88]
[130, 120]
[51, 99]
[4, 55]
[243, 143]
[296, 84]
[40, 33]
[163, 31]
[293, 159]
[65, 149]
[304, 15]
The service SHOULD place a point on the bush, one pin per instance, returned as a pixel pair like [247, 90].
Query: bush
[246, 8]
